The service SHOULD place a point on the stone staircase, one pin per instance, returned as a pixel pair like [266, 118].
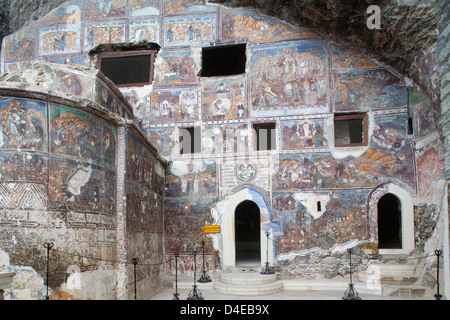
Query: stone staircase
[247, 282]
[393, 280]
[379, 279]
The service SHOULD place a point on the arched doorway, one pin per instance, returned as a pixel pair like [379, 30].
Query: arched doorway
[247, 224]
[389, 222]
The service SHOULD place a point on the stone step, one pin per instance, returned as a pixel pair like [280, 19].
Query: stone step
[389, 274]
[247, 278]
[412, 292]
[248, 289]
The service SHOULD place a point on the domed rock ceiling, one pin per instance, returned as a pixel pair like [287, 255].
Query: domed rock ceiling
[405, 41]
[407, 34]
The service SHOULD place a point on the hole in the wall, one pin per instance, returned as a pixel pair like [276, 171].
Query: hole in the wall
[410, 126]
[247, 233]
[223, 60]
[389, 222]
[350, 130]
[319, 206]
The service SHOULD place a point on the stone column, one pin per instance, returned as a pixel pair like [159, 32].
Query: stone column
[121, 217]
[443, 26]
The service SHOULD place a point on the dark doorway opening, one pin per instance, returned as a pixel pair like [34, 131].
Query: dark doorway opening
[247, 234]
[389, 222]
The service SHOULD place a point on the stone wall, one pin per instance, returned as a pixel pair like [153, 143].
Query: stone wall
[60, 170]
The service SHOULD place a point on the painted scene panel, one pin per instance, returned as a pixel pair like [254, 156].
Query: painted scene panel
[249, 26]
[191, 178]
[103, 32]
[21, 44]
[289, 74]
[163, 139]
[59, 39]
[134, 159]
[368, 89]
[147, 29]
[98, 9]
[341, 218]
[173, 105]
[177, 6]
[347, 58]
[75, 185]
[145, 8]
[175, 67]
[21, 166]
[300, 134]
[184, 221]
[186, 30]
[23, 123]
[227, 138]
[224, 99]
[77, 133]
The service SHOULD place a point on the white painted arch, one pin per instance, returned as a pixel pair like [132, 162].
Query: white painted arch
[225, 211]
[407, 216]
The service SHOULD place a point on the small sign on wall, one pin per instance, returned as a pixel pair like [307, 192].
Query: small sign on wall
[212, 229]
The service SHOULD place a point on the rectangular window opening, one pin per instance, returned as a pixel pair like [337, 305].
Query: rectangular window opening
[128, 68]
[350, 130]
[265, 137]
[223, 60]
[190, 140]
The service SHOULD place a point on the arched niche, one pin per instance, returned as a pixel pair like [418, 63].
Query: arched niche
[226, 216]
[406, 209]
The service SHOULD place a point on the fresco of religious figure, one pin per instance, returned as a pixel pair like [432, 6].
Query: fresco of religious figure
[23, 124]
[290, 74]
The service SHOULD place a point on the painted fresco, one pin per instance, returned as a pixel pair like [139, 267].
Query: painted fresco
[23, 124]
[21, 44]
[289, 74]
[193, 178]
[20, 166]
[386, 159]
[134, 159]
[59, 39]
[368, 89]
[103, 32]
[170, 105]
[175, 67]
[347, 58]
[163, 139]
[83, 186]
[424, 113]
[187, 30]
[159, 179]
[177, 6]
[227, 138]
[144, 30]
[139, 101]
[430, 178]
[147, 170]
[144, 8]
[299, 134]
[184, 222]
[77, 133]
[144, 212]
[69, 13]
[106, 99]
[343, 219]
[97, 9]
[249, 26]
[76, 59]
[224, 99]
